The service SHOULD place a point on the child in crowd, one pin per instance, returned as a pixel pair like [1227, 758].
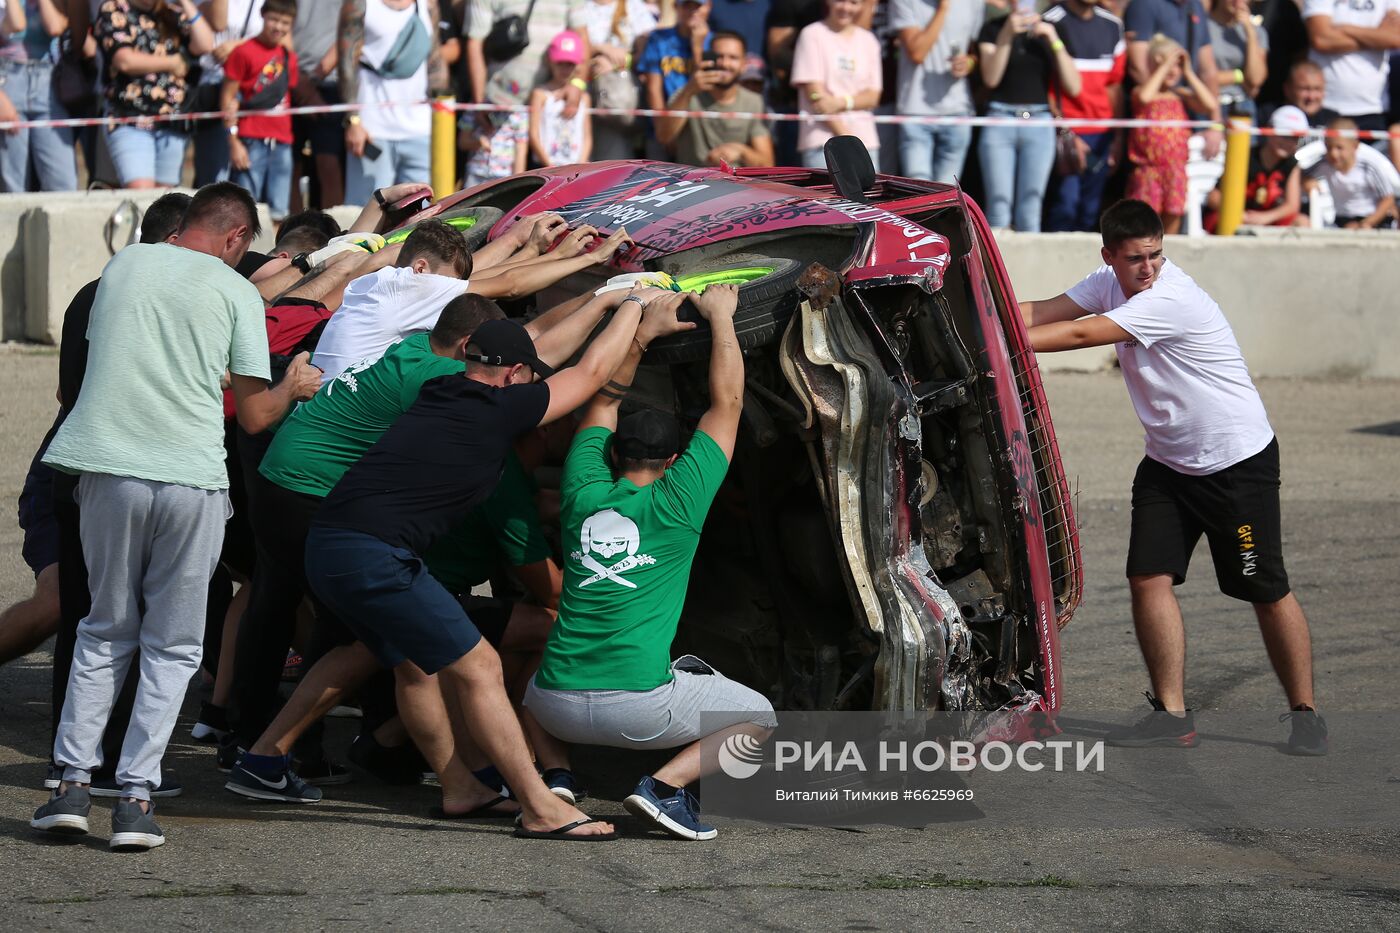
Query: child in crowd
[1273, 194]
[1362, 181]
[259, 75]
[557, 139]
[1159, 153]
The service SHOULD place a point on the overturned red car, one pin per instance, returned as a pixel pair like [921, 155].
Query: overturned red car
[896, 531]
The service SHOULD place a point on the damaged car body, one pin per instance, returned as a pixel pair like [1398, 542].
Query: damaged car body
[896, 530]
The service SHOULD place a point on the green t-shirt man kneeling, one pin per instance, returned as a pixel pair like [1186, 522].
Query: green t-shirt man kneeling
[633, 506]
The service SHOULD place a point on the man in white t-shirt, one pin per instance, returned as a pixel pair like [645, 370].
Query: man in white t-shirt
[1212, 467]
[383, 307]
[1363, 183]
[1351, 42]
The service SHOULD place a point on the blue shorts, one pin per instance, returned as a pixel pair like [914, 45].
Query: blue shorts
[385, 595]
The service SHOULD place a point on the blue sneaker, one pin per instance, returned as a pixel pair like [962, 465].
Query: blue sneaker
[679, 814]
[561, 784]
[285, 787]
[64, 813]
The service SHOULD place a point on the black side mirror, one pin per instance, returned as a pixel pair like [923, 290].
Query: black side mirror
[851, 170]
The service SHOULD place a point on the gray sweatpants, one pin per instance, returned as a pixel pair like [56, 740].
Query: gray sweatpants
[150, 549]
[665, 717]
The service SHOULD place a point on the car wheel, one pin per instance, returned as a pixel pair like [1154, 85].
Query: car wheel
[474, 222]
[767, 298]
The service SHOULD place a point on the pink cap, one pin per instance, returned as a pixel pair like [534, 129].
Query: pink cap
[566, 47]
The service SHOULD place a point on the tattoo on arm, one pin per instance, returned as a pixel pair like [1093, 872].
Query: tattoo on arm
[350, 41]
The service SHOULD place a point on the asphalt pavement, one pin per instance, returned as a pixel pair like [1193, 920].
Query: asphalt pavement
[370, 857]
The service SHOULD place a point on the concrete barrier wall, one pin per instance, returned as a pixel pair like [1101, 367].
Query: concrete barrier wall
[1315, 304]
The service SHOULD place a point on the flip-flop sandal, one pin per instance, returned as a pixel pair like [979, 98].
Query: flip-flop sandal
[562, 833]
[486, 811]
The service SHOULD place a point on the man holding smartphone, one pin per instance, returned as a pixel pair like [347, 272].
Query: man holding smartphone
[743, 140]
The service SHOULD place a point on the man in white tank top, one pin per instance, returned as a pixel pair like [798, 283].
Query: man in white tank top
[1211, 467]
[389, 63]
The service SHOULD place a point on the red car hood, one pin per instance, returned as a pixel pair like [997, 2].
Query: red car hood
[669, 208]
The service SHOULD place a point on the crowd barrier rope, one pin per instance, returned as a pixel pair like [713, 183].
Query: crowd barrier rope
[447, 104]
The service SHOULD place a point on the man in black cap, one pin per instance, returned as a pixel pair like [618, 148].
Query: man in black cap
[440, 460]
[634, 514]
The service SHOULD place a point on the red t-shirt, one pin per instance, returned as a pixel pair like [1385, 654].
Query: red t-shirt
[255, 67]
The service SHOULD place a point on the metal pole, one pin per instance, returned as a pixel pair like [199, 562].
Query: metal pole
[1232, 183]
[444, 147]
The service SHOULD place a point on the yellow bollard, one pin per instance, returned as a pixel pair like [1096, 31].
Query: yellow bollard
[444, 147]
[1232, 183]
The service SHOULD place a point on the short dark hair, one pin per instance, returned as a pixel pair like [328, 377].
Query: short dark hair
[316, 220]
[438, 243]
[285, 7]
[1129, 219]
[302, 240]
[163, 217]
[221, 207]
[462, 316]
[719, 34]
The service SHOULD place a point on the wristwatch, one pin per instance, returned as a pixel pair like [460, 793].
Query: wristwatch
[302, 262]
[352, 119]
[379, 198]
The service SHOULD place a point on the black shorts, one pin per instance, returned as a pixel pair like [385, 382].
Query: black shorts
[36, 518]
[1237, 509]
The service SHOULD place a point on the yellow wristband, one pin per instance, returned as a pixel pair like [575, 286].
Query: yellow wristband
[579, 83]
[1239, 76]
[1057, 46]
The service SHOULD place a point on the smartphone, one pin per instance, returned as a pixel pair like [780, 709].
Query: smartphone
[708, 62]
[372, 152]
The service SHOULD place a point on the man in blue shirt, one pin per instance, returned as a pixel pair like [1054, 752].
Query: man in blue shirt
[672, 54]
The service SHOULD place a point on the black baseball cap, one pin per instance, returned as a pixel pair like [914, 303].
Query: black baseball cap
[647, 435]
[504, 342]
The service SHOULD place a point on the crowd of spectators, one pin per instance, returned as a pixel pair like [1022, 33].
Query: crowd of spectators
[841, 61]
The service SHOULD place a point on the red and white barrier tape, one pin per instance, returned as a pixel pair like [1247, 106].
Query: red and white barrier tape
[898, 119]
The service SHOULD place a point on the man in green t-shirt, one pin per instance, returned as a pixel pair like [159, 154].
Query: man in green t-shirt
[310, 453]
[634, 514]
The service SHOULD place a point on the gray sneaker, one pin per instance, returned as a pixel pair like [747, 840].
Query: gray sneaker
[64, 813]
[133, 830]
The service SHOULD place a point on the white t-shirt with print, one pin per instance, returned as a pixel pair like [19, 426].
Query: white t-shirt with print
[379, 310]
[1358, 193]
[1356, 81]
[1184, 371]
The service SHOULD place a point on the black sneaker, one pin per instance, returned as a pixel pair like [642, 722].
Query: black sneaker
[285, 787]
[1309, 735]
[321, 772]
[212, 726]
[227, 755]
[1158, 729]
[107, 786]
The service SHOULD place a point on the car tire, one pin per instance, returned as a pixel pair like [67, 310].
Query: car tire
[486, 218]
[765, 305]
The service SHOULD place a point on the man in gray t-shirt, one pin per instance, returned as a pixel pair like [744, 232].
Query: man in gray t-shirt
[741, 141]
[935, 40]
